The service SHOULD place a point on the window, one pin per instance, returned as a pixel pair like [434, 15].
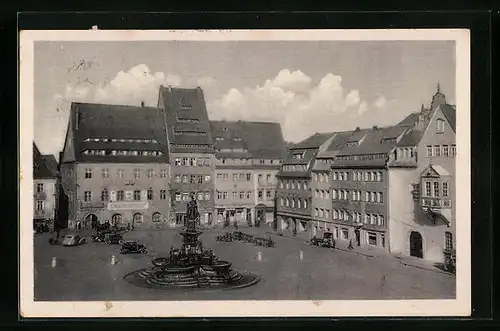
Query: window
[372, 238]
[39, 187]
[437, 150]
[105, 173]
[316, 212]
[121, 173]
[224, 195]
[249, 178]
[436, 189]
[40, 205]
[446, 150]
[137, 195]
[119, 196]
[380, 197]
[345, 234]
[242, 195]
[268, 178]
[373, 219]
[207, 196]
[200, 196]
[219, 195]
[104, 195]
[335, 176]
[367, 219]
[299, 203]
[137, 173]
[178, 161]
[372, 196]
[429, 151]
[334, 194]
[440, 125]
[87, 196]
[268, 195]
[379, 176]
[382, 240]
[163, 194]
[185, 179]
[305, 204]
[88, 173]
[185, 196]
[235, 177]
[428, 190]
[185, 161]
[445, 189]
[367, 196]
[151, 173]
[327, 213]
[150, 194]
[335, 214]
[177, 197]
[453, 150]
[448, 241]
[249, 195]
[207, 178]
[192, 161]
[380, 220]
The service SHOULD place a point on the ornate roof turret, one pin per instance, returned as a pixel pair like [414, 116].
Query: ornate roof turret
[438, 98]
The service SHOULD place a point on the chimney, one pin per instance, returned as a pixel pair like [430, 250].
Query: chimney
[357, 129]
[142, 104]
[375, 128]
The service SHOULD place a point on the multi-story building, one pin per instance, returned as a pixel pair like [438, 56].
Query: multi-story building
[294, 198]
[248, 157]
[45, 187]
[321, 182]
[360, 185]
[422, 180]
[191, 151]
[115, 166]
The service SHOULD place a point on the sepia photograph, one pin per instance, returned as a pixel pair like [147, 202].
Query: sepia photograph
[244, 173]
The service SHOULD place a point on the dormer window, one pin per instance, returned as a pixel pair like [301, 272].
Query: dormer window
[440, 123]
[219, 138]
[237, 139]
[184, 104]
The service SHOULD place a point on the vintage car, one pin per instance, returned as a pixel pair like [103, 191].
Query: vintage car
[132, 247]
[113, 238]
[327, 241]
[72, 240]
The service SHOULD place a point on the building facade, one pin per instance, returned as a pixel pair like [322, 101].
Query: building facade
[294, 198]
[45, 187]
[191, 151]
[115, 166]
[248, 157]
[422, 178]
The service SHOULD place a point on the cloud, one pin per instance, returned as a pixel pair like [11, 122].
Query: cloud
[127, 87]
[381, 102]
[291, 98]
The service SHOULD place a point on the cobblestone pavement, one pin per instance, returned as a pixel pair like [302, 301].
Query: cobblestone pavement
[85, 272]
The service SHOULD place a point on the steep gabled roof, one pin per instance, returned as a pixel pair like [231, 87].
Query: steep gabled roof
[40, 168]
[255, 139]
[51, 163]
[117, 127]
[450, 113]
[373, 142]
[187, 118]
[409, 120]
[313, 141]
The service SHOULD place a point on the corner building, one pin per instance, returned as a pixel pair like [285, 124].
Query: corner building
[45, 187]
[191, 152]
[294, 198]
[115, 166]
[248, 158]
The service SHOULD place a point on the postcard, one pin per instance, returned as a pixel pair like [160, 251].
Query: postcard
[240, 173]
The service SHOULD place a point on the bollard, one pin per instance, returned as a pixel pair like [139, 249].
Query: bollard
[113, 259]
[54, 262]
[259, 256]
[301, 255]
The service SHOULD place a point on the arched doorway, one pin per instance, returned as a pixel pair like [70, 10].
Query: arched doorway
[137, 219]
[92, 221]
[416, 248]
[156, 217]
[116, 219]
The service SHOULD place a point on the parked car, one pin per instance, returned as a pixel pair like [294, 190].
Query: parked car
[132, 247]
[113, 238]
[327, 241]
[73, 240]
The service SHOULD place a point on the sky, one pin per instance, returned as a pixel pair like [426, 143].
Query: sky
[306, 86]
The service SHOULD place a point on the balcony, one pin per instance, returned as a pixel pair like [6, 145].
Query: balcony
[437, 210]
[41, 213]
[436, 203]
[40, 195]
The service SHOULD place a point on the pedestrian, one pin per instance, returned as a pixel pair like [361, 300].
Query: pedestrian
[350, 245]
[78, 226]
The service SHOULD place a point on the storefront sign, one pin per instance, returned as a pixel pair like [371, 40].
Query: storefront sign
[91, 205]
[128, 205]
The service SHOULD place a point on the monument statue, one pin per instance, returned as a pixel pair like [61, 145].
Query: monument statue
[192, 214]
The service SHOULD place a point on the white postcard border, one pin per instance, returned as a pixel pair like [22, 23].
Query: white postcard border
[461, 306]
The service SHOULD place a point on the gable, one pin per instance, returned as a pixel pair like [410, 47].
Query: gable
[68, 154]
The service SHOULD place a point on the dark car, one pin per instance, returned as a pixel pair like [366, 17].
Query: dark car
[113, 238]
[132, 247]
[327, 241]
